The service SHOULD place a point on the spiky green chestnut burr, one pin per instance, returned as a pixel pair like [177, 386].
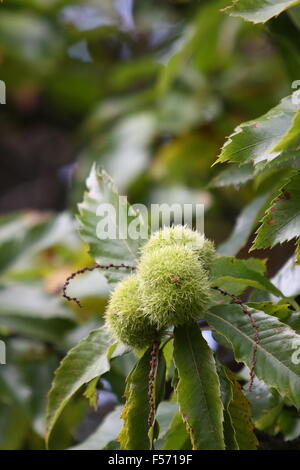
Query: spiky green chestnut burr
[124, 316]
[183, 236]
[175, 289]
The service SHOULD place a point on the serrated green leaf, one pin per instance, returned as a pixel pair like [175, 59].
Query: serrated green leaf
[274, 364]
[282, 220]
[228, 271]
[259, 11]
[13, 390]
[134, 433]
[87, 360]
[263, 139]
[236, 175]
[198, 389]
[122, 249]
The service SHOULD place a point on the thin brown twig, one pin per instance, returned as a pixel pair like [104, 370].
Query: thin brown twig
[152, 373]
[89, 268]
[238, 301]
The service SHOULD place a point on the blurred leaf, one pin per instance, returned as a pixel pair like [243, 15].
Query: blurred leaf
[198, 389]
[37, 373]
[23, 235]
[160, 379]
[287, 278]
[227, 397]
[233, 176]
[294, 13]
[196, 109]
[294, 321]
[13, 390]
[165, 413]
[205, 29]
[284, 33]
[106, 432]
[29, 300]
[259, 11]
[277, 341]
[41, 5]
[245, 222]
[14, 407]
[130, 139]
[29, 38]
[28, 310]
[179, 160]
[289, 422]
